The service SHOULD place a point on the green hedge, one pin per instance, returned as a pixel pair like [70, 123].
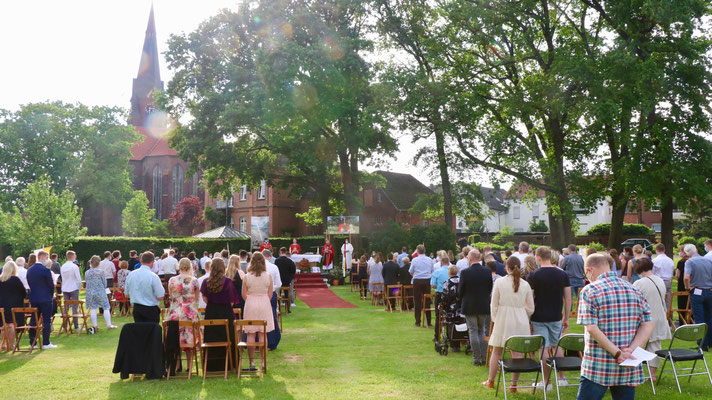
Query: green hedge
[628, 229]
[87, 246]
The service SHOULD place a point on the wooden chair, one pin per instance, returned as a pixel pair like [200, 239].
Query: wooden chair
[393, 292]
[354, 282]
[24, 326]
[684, 313]
[3, 341]
[487, 338]
[237, 312]
[115, 302]
[67, 325]
[574, 310]
[284, 297]
[164, 314]
[427, 297]
[80, 314]
[377, 294]
[206, 346]
[408, 297]
[195, 348]
[364, 289]
[241, 346]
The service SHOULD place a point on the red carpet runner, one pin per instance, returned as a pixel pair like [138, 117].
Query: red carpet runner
[312, 290]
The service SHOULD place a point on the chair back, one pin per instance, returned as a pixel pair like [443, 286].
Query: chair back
[571, 342]
[524, 343]
[248, 322]
[26, 312]
[689, 333]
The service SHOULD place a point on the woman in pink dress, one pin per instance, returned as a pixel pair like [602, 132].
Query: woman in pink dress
[257, 292]
[183, 291]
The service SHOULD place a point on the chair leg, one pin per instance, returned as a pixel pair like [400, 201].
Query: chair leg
[556, 380]
[504, 380]
[674, 372]
[660, 374]
[707, 370]
[692, 371]
[204, 355]
[652, 384]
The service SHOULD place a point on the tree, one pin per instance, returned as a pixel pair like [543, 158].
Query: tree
[283, 85]
[187, 214]
[42, 217]
[467, 204]
[313, 215]
[136, 217]
[82, 149]
[538, 226]
[213, 216]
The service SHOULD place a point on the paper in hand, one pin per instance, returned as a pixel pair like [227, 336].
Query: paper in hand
[640, 356]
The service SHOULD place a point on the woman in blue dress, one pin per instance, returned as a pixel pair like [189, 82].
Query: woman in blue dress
[96, 293]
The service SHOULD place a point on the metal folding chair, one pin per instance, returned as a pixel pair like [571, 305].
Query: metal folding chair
[686, 333]
[524, 344]
[570, 342]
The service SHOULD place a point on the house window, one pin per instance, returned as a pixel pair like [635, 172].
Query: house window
[195, 185]
[535, 211]
[157, 190]
[379, 197]
[178, 178]
[655, 207]
[243, 224]
[232, 222]
[231, 202]
[243, 193]
[263, 190]
[516, 212]
[425, 223]
[657, 228]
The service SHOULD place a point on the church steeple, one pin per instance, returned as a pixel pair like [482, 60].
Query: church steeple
[148, 78]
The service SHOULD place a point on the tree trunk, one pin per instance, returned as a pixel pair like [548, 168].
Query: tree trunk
[667, 224]
[556, 230]
[347, 180]
[619, 200]
[445, 179]
[325, 211]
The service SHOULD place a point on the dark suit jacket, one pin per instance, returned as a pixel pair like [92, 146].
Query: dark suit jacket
[390, 273]
[287, 269]
[474, 290]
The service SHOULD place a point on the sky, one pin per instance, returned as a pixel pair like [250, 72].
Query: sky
[88, 52]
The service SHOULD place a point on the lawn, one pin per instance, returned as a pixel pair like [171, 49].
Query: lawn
[324, 354]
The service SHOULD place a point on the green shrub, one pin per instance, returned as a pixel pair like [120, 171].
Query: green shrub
[389, 239]
[597, 246]
[494, 246]
[687, 240]
[538, 226]
[628, 229]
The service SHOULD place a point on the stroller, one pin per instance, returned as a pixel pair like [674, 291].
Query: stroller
[448, 318]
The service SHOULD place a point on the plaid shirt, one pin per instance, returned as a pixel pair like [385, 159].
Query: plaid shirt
[618, 309]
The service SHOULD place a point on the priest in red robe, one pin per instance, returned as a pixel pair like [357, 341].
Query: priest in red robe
[265, 245]
[295, 248]
[327, 255]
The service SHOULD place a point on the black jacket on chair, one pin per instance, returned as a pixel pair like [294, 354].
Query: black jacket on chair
[140, 351]
[475, 290]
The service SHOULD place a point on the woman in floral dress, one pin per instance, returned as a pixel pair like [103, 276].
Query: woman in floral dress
[184, 291]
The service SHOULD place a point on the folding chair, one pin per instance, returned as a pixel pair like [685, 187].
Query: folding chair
[2, 329]
[116, 301]
[574, 310]
[81, 314]
[376, 298]
[393, 293]
[354, 282]
[524, 344]
[489, 348]
[364, 289]
[426, 298]
[22, 327]
[195, 348]
[66, 326]
[241, 346]
[685, 314]
[570, 342]
[284, 297]
[408, 297]
[237, 312]
[685, 333]
[206, 346]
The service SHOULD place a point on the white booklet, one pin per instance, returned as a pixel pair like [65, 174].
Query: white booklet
[640, 356]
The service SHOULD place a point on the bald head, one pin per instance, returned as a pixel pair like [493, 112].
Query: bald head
[595, 265]
[474, 256]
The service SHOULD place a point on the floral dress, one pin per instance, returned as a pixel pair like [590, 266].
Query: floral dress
[184, 305]
[96, 289]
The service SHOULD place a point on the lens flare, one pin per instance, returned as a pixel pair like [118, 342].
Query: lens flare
[335, 51]
[159, 123]
[305, 96]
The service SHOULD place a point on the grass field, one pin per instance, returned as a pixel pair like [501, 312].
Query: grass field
[360, 353]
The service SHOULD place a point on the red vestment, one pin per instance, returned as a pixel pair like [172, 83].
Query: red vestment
[265, 246]
[328, 252]
[295, 248]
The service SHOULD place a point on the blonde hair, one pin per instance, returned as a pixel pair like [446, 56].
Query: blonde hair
[638, 249]
[184, 265]
[529, 265]
[123, 264]
[452, 270]
[94, 261]
[257, 264]
[8, 270]
[233, 265]
[442, 254]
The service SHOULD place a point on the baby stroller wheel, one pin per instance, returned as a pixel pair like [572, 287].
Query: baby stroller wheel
[443, 350]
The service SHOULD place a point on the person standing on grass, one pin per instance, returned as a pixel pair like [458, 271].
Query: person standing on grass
[169, 265]
[617, 320]
[421, 269]
[96, 293]
[12, 295]
[108, 267]
[463, 263]
[552, 293]
[257, 292]
[287, 270]
[134, 262]
[708, 248]
[145, 291]
[275, 336]
[71, 282]
[206, 266]
[573, 265]
[403, 254]
[390, 275]
[41, 284]
[679, 276]
[653, 288]
[664, 267]
[698, 281]
[473, 293]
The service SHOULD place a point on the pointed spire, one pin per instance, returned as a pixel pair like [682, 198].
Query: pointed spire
[149, 57]
[148, 78]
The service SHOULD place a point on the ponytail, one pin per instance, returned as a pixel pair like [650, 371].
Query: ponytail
[513, 265]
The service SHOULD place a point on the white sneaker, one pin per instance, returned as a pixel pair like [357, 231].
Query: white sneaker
[293, 305]
[540, 385]
[562, 382]
[36, 346]
[50, 346]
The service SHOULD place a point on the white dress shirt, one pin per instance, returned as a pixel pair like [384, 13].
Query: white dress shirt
[203, 261]
[169, 265]
[276, 279]
[22, 274]
[709, 255]
[157, 267]
[71, 278]
[108, 267]
[201, 302]
[663, 266]
[462, 264]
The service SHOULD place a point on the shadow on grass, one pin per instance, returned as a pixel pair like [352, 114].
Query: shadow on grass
[10, 362]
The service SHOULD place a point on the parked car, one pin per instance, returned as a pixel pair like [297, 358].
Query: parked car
[647, 244]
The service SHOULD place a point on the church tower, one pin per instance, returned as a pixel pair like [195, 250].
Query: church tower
[148, 78]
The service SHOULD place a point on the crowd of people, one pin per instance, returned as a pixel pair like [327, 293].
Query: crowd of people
[210, 287]
[621, 301]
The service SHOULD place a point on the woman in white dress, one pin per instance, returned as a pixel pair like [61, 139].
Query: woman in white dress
[653, 289]
[511, 306]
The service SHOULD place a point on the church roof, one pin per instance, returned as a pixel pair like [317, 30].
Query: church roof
[223, 232]
[402, 189]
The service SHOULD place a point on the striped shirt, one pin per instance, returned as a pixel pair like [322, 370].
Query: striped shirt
[618, 309]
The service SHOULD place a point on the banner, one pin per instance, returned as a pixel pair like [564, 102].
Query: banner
[259, 229]
[342, 225]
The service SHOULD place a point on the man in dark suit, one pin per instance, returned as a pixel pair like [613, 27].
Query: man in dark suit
[390, 273]
[287, 270]
[39, 278]
[473, 294]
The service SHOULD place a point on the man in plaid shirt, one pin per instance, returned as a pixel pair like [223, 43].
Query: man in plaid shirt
[617, 320]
